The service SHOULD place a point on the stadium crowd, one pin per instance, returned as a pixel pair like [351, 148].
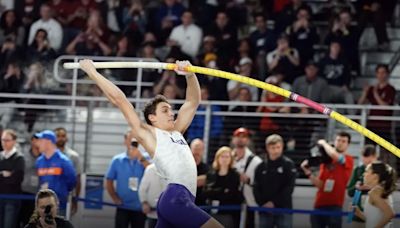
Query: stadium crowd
[278, 42]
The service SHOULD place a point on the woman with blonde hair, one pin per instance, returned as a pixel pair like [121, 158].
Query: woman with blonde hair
[222, 187]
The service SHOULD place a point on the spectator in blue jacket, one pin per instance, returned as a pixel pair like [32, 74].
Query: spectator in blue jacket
[127, 170]
[55, 170]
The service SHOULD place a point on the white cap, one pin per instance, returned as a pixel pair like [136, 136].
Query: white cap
[245, 60]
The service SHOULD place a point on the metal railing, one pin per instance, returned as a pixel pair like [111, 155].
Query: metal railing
[74, 81]
[93, 129]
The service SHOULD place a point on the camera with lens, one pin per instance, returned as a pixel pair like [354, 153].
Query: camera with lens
[48, 217]
[318, 156]
[134, 144]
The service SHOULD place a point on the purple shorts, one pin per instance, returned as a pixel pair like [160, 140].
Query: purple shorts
[176, 208]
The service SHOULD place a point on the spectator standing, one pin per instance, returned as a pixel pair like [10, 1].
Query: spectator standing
[30, 185]
[46, 22]
[126, 170]
[280, 170]
[332, 180]
[12, 165]
[368, 156]
[62, 139]
[187, 35]
[245, 163]
[381, 93]
[197, 147]
[150, 189]
[222, 187]
[55, 170]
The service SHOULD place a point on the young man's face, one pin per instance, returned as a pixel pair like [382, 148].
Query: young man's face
[61, 138]
[382, 74]
[341, 143]
[41, 144]
[260, 22]
[274, 150]
[240, 141]
[368, 160]
[7, 141]
[187, 18]
[164, 117]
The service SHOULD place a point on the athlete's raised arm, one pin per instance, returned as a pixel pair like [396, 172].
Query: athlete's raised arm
[193, 98]
[140, 130]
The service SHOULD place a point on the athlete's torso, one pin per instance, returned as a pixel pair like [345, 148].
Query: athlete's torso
[174, 160]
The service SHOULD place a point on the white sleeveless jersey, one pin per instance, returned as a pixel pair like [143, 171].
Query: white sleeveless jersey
[374, 215]
[174, 160]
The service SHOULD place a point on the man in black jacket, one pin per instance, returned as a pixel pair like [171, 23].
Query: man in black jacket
[281, 171]
[12, 165]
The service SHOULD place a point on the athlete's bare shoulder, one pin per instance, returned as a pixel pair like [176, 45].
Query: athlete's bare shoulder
[147, 138]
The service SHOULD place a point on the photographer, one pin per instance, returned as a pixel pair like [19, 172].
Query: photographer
[334, 174]
[45, 214]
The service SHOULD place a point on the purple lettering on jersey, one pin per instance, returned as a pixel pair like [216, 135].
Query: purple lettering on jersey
[179, 141]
